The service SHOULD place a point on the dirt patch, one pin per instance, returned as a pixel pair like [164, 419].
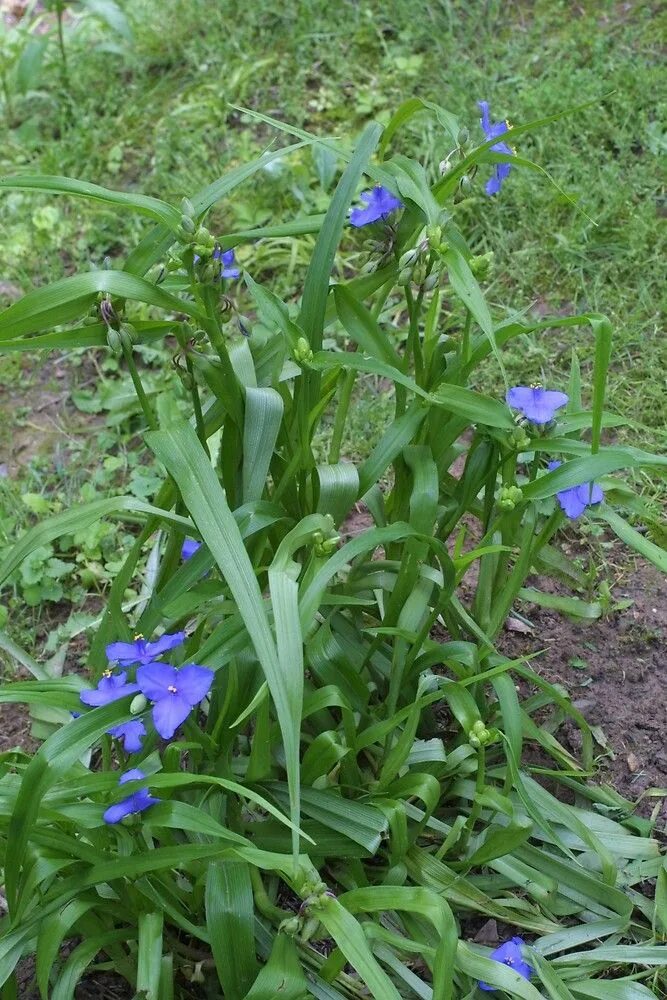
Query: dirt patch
[614, 670]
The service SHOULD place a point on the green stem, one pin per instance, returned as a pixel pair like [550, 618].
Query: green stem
[465, 340]
[139, 389]
[341, 416]
[476, 805]
[61, 45]
[262, 901]
[196, 405]
[9, 108]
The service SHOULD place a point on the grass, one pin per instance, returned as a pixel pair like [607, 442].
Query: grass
[155, 116]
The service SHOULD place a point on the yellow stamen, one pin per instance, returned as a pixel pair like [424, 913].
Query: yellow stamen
[107, 673]
[172, 690]
[138, 637]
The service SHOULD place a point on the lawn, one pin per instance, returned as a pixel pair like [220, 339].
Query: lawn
[460, 561]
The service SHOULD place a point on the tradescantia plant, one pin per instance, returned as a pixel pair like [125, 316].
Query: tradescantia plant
[300, 766]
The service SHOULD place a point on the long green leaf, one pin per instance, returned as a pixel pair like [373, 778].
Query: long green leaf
[229, 920]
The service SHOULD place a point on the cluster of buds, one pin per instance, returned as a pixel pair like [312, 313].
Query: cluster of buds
[518, 439]
[303, 352]
[421, 264]
[509, 497]
[193, 235]
[324, 545]
[305, 923]
[479, 736]
[120, 335]
[481, 264]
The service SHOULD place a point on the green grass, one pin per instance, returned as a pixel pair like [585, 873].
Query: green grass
[156, 117]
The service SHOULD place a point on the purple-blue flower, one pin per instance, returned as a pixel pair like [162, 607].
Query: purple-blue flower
[131, 733]
[576, 499]
[226, 258]
[493, 130]
[537, 404]
[510, 955]
[189, 548]
[140, 651]
[379, 204]
[174, 693]
[134, 803]
[110, 687]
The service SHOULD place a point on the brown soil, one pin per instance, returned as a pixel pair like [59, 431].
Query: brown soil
[614, 670]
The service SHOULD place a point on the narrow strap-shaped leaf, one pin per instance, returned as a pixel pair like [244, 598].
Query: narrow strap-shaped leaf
[263, 415]
[316, 285]
[339, 488]
[230, 921]
[66, 300]
[180, 451]
[153, 207]
[363, 328]
[149, 953]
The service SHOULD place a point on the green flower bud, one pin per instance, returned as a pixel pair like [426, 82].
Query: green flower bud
[290, 926]
[463, 138]
[474, 741]
[203, 238]
[404, 276]
[482, 264]
[187, 224]
[114, 341]
[465, 184]
[303, 352]
[187, 208]
[409, 258]
[518, 439]
[430, 281]
[434, 236]
[509, 497]
[138, 704]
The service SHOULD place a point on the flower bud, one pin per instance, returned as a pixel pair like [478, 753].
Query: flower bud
[138, 704]
[465, 184]
[463, 138]
[518, 439]
[187, 224]
[409, 258]
[114, 341]
[430, 281]
[405, 276]
[303, 352]
[187, 208]
[482, 264]
[434, 236]
[509, 497]
[203, 238]
[444, 167]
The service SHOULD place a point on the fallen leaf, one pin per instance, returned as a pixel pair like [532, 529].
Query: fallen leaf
[516, 625]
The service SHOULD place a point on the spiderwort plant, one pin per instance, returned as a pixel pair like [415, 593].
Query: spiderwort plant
[363, 734]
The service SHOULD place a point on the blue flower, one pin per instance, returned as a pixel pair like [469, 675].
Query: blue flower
[576, 499]
[493, 130]
[140, 651]
[134, 803]
[510, 955]
[131, 733]
[226, 258]
[110, 687]
[537, 404]
[189, 548]
[174, 693]
[379, 204]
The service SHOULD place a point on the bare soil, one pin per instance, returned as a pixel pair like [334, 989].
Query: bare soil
[615, 670]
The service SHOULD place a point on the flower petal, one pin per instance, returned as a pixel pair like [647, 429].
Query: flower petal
[189, 548]
[169, 713]
[123, 652]
[164, 643]
[590, 493]
[154, 679]
[194, 682]
[134, 774]
[127, 807]
[571, 502]
[131, 733]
